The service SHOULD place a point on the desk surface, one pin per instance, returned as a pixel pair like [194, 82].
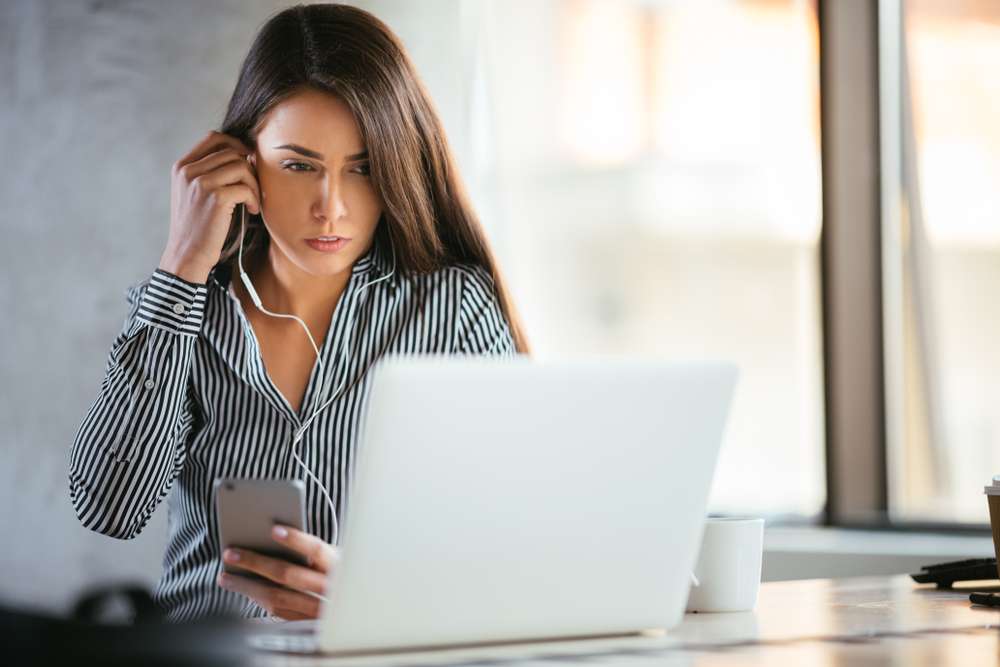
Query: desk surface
[869, 621]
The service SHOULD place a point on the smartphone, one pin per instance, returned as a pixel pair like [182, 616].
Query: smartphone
[247, 509]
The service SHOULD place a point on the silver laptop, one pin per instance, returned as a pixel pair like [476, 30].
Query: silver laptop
[498, 501]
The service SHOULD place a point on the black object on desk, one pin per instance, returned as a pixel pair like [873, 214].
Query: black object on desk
[946, 574]
[138, 636]
[985, 599]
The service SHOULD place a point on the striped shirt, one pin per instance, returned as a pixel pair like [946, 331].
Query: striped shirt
[186, 399]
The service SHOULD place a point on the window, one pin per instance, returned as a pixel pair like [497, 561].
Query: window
[651, 175]
[943, 382]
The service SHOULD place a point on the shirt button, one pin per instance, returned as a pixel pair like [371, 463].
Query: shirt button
[149, 384]
[179, 308]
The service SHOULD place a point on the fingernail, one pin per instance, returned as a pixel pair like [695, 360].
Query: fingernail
[280, 532]
[231, 556]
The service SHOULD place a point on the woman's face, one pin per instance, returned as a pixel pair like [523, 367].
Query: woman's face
[313, 169]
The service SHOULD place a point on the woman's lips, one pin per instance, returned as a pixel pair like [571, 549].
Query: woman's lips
[327, 246]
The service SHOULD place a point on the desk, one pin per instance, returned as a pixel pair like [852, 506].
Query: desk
[866, 621]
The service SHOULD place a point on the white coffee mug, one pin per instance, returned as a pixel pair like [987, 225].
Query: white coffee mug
[727, 575]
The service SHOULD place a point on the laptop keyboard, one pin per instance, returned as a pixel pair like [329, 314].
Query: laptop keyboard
[286, 643]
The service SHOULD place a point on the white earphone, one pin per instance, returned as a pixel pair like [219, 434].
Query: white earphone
[299, 432]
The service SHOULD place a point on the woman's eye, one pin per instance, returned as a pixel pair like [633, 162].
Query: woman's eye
[363, 169]
[289, 166]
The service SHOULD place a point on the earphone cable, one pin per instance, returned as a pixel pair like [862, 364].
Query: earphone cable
[300, 431]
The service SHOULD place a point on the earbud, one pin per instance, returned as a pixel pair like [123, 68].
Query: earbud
[252, 159]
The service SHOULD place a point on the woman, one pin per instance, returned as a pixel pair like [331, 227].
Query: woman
[357, 228]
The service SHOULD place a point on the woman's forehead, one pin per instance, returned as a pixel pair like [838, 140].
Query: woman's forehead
[318, 121]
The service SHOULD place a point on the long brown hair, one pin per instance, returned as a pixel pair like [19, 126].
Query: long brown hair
[346, 51]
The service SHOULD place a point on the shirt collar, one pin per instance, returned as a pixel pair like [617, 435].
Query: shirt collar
[374, 261]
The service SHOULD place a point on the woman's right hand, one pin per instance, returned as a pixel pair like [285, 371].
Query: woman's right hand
[206, 185]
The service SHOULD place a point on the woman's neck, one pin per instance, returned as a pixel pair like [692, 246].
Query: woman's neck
[285, 288]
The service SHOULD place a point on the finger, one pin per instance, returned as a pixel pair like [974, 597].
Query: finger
[277, 570]
[214, 161]
[210, 143]
[318, 553]
[277, 601]
[270, 597]
[231, 173]
[224, 168]
[240, 194]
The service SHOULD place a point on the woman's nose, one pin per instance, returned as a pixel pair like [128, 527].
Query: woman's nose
[332, 203]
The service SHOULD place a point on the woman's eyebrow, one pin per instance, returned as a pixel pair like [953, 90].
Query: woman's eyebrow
[318, 156]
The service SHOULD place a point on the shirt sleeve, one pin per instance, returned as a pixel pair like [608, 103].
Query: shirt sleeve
[482, 328]
[132, 443]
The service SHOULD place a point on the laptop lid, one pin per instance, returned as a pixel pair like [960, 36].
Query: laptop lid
[502, 500]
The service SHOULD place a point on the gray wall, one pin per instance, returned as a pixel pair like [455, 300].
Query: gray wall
[97, 100]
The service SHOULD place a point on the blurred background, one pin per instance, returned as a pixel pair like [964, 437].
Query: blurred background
[651, 174]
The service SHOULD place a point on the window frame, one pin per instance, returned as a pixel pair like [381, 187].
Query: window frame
[868, 158]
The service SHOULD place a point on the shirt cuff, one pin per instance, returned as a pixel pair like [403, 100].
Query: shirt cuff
[172, 303]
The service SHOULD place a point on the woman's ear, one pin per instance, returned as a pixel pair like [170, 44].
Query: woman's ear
[252, 159]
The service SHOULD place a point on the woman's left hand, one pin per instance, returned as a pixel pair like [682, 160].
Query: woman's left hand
[291, 591]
